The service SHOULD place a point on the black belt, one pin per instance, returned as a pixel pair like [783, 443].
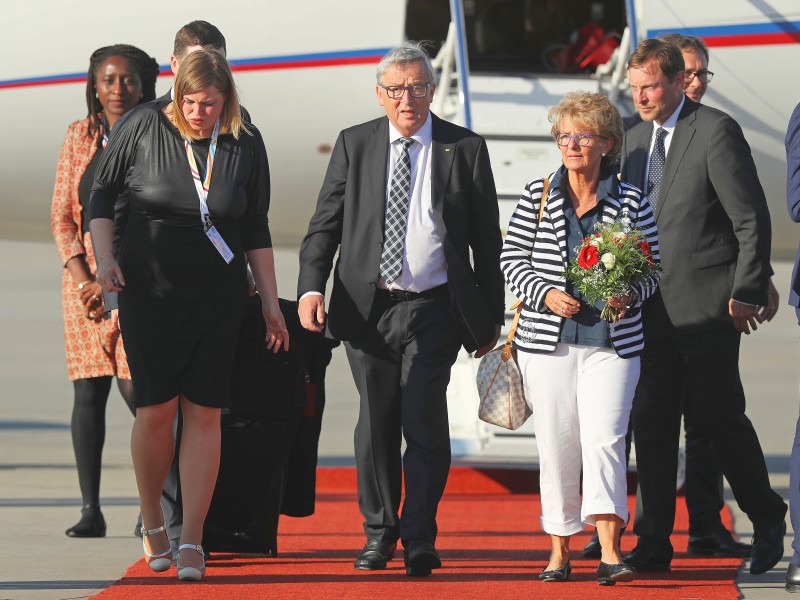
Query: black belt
[438, 293]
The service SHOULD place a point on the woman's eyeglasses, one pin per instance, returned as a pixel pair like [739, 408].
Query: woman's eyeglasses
[582, 139]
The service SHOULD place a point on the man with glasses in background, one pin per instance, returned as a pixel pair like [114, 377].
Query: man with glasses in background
[405, 200]
[697, 170]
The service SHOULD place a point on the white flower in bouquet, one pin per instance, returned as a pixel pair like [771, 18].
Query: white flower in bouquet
[608, 261]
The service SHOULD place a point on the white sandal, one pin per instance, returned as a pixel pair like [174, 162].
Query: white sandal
[191, 573]
[157, 562]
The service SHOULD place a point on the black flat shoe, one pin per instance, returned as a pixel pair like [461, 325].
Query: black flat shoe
[561, 574]
[610, 574]
[374, 555]
[91, 525]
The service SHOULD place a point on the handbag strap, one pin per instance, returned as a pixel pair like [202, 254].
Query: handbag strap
[518, 304]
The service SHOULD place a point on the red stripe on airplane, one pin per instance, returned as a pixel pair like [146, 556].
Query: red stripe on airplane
[47, 82]
[304, 64]
[755, 39]
[298, 64]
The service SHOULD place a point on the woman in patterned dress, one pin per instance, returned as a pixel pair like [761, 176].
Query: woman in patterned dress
[120, 77]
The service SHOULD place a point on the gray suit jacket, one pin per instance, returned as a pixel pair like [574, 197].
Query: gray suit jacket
[713, 224]
[350, 217]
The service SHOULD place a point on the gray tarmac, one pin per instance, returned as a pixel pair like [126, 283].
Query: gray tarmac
[39, 495]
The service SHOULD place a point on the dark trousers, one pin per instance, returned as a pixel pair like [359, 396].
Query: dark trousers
[703, 371]
[401, 367]
[704, 486]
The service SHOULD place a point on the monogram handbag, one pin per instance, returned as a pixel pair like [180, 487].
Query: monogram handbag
[502, 395]
[500, 384]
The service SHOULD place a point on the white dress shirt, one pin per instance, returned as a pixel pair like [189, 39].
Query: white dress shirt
[424, 266]
[669, 126]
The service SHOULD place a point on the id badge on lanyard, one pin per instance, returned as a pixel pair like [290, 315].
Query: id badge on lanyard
[202, 192]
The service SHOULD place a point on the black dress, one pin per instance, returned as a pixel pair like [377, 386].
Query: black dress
[182, 305]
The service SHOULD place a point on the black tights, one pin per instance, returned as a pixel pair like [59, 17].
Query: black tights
[89, 430]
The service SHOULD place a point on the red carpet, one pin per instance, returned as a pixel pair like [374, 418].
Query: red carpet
[490, 542]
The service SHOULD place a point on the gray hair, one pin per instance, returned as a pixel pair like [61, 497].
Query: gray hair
[405, 53]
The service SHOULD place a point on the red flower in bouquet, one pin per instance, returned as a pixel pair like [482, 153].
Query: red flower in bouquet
[588, 257]
[646, 251]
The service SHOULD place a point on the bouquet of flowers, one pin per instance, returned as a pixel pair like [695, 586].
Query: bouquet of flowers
[609, 262]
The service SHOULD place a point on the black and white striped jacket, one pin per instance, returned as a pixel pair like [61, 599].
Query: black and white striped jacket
[534, 258]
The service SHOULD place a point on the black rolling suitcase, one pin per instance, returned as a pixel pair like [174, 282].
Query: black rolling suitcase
[270, 395]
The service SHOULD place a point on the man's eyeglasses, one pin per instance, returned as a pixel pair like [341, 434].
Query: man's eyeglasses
[704, 76]
[582, 139]
[395, 92]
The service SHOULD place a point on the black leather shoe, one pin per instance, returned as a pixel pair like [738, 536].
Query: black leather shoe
[561, 574]
[610, 574]
[793, 578]
[91, 525]
[767, 547]
[374, 555]
[719, 543]
[647, 559]
[421, 558]
[592, 549]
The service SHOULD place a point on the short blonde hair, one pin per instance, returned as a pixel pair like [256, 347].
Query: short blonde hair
[595, 113]
[204, 69]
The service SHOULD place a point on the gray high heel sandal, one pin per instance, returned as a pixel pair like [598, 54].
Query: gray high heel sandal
[157, 562]
[191, 573]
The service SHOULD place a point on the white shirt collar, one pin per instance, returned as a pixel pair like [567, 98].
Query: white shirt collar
[672, 121]
[424, 134]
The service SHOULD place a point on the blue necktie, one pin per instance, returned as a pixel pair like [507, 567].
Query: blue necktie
[394, 233]
[656, 170]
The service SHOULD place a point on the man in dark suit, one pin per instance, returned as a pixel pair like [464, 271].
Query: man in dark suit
[405, 200]
[793, 204]
[695, 166]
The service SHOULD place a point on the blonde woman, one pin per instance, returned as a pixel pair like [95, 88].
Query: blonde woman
[579, 370]
[198, 181]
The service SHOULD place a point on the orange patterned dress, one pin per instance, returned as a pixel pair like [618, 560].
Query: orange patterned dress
[93, 349]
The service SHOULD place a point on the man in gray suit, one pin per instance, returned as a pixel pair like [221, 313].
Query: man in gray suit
[405, 201]
[696, 168]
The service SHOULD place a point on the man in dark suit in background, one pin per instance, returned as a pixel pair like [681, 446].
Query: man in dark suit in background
[696, 169]
[793, 204]
[405, 200]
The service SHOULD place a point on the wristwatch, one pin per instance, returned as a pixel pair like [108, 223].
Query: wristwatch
[83, 284]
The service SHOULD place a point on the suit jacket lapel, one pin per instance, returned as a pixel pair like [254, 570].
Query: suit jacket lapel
[684, 131]
[377, 159]
[442, 154]
[639, 145]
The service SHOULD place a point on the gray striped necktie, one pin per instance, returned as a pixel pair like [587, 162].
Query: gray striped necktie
[394, 233]
[656, 170]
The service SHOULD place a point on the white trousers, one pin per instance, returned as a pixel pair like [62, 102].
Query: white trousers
[581, 398]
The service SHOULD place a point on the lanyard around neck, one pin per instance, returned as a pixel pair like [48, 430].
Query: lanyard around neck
[202, 186]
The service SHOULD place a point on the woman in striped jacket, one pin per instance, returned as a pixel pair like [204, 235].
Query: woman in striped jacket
[579, 371]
